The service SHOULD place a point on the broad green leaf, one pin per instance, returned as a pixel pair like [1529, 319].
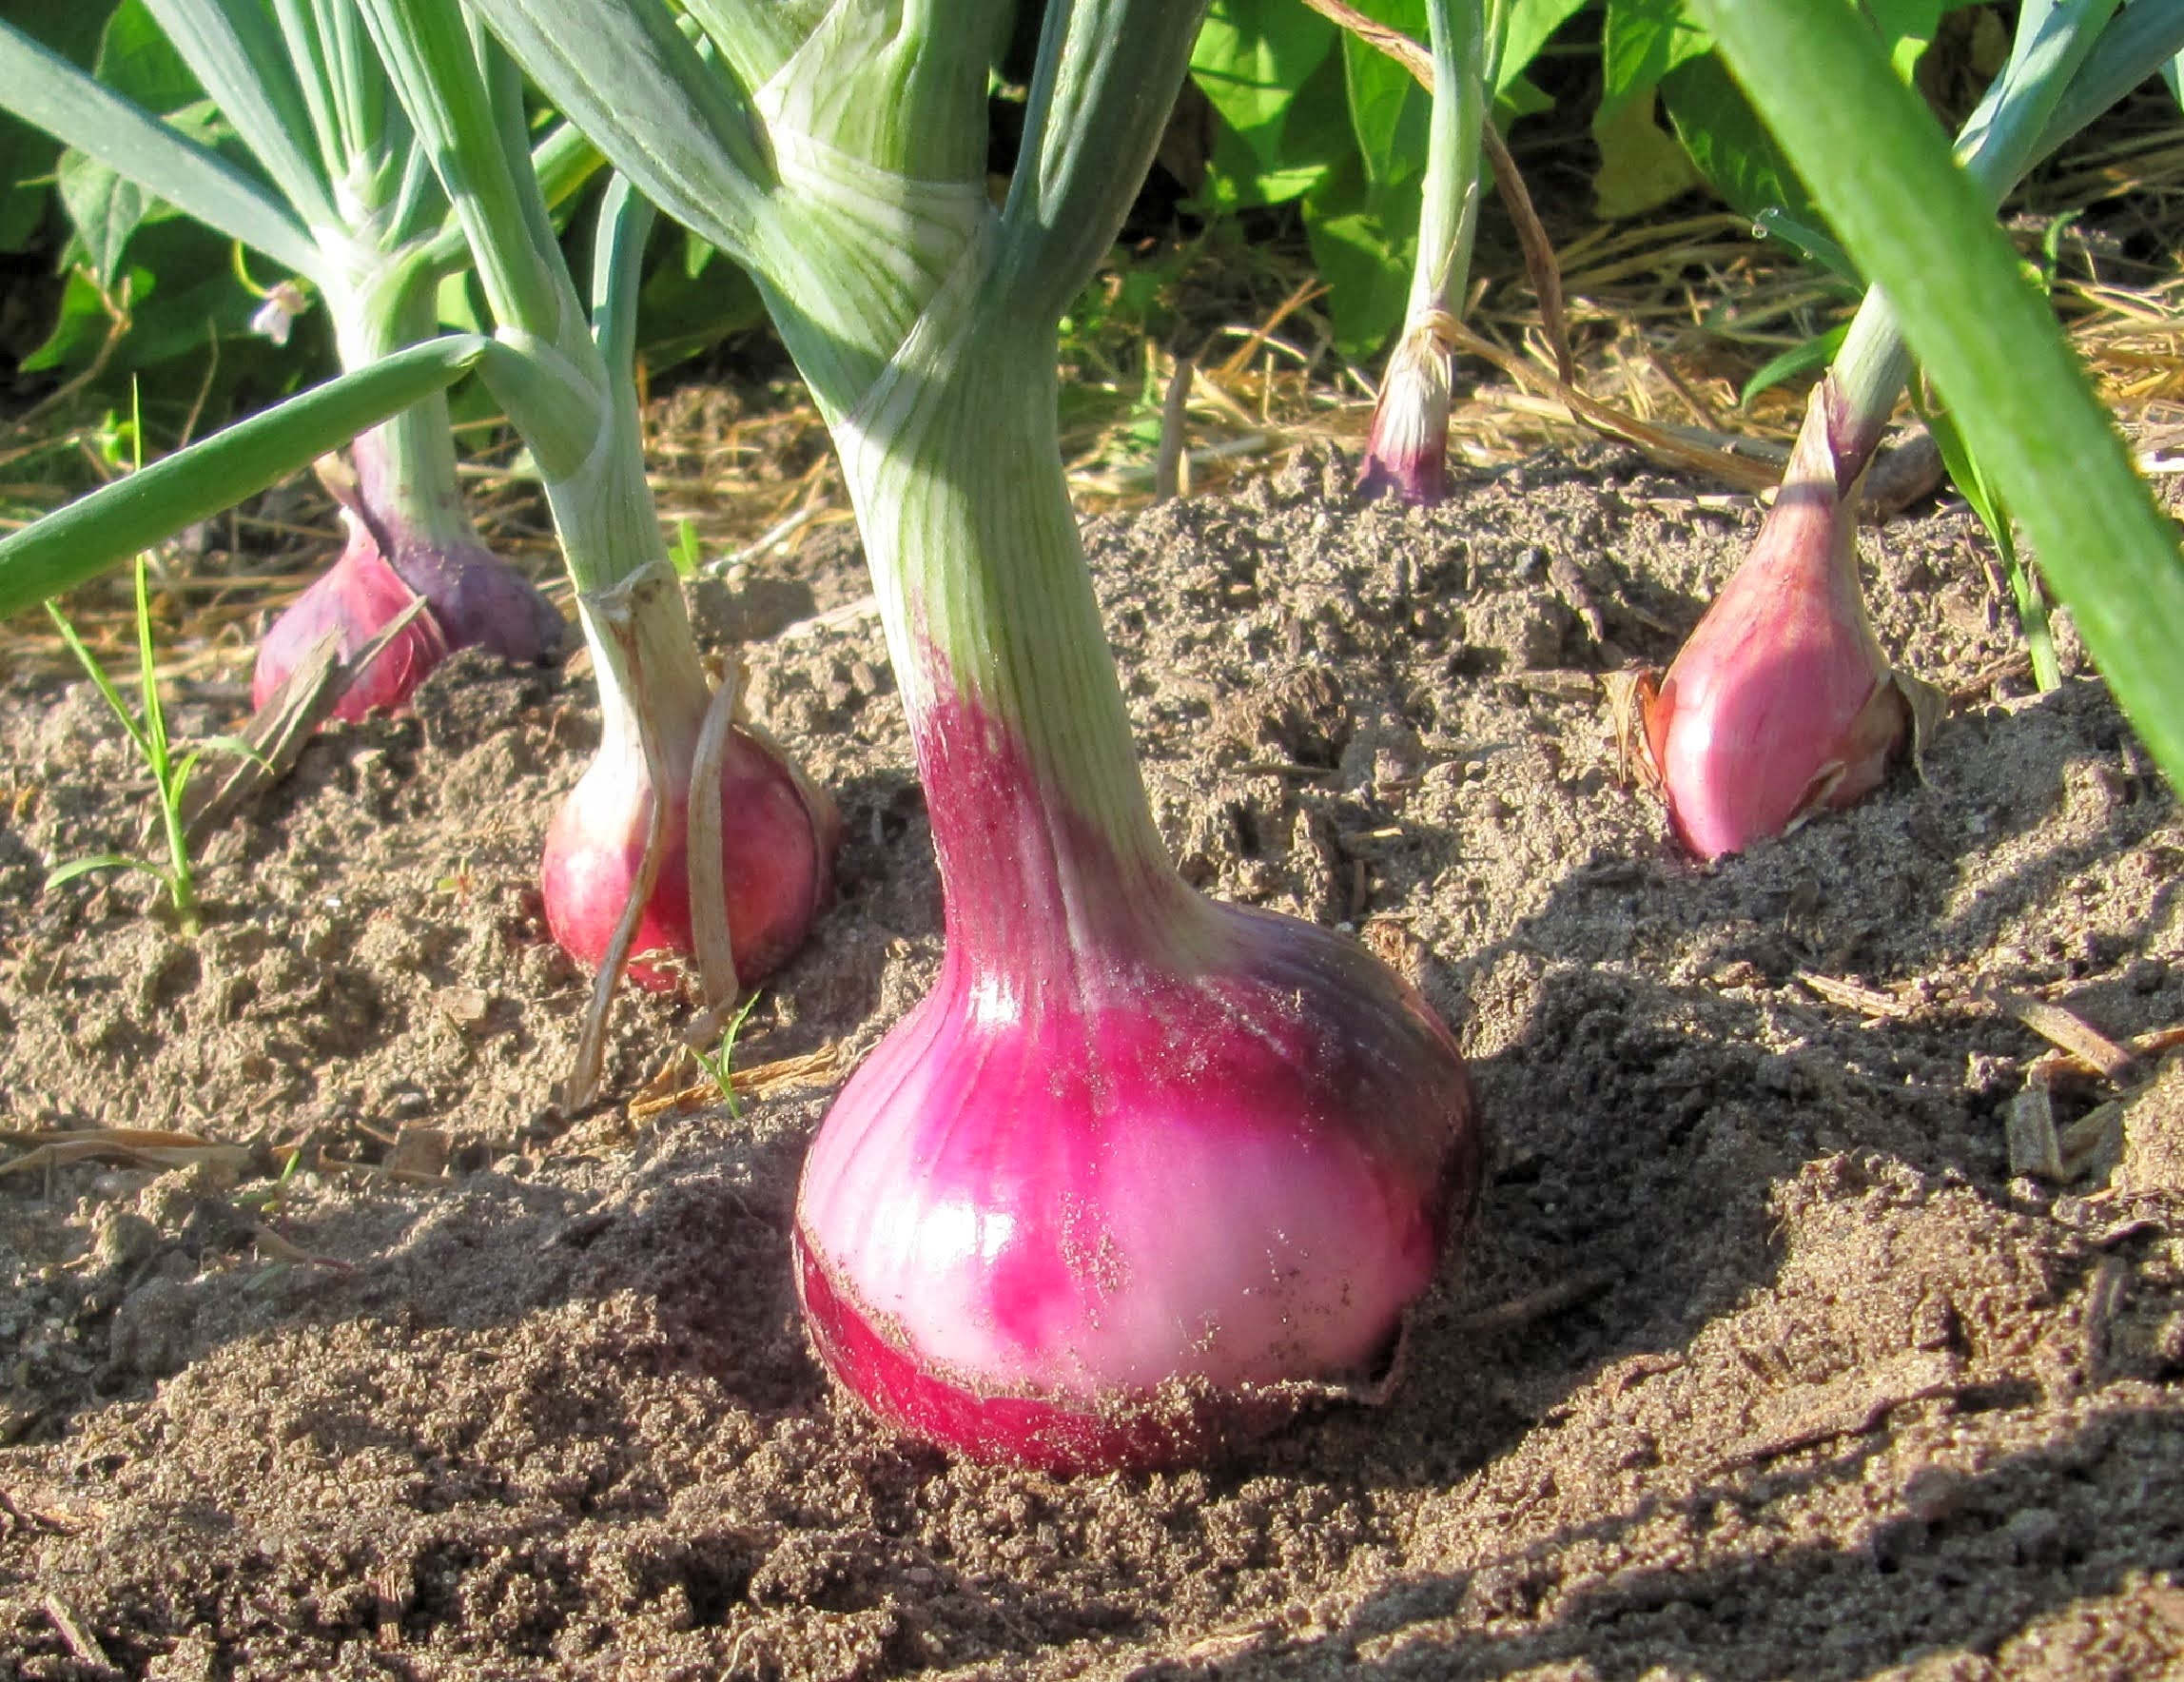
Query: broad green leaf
[1641, 165]
[1642, 41]
[1531, 24]
[138, 62]
[1364, 240]
[1388, 108]
[1877, 164]
[118, 520]
[26, 153]
[44, 89]
[103, 208]
[1727, 143]
[1253, 55]
[457, 306]
[1259, 64]
[183, 297]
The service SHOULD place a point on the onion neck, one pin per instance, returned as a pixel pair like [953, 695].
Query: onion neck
[629, 601]
[1053, 872]
[648, 668]
[406, 484]
[1809, 536]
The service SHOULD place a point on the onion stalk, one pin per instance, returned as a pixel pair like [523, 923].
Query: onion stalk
[1142, 1172]
[691, 835]
[1781, 703]
[1407, 450]
[349, 206]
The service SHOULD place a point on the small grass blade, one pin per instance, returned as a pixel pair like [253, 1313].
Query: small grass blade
[102, 861]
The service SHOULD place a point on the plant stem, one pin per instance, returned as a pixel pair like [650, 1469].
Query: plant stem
[1819, 78]
[1024, 745]
[406, 466]
[1449, 211]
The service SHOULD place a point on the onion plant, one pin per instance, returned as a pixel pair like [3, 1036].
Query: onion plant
[730, 864]
[1781, 703]
[95, 533]
[346, 202]
[1141, 1170]
[692, 835]
[1407, 450]
[1922, 230]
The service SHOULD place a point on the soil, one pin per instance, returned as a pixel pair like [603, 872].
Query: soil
[1767, 1358]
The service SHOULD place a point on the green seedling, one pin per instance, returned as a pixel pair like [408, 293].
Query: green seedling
[265, 1201]
[720, 1066]
[169, 774]
[685, 553]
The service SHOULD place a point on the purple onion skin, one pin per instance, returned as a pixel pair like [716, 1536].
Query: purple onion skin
[482, 601]
[355, 598]
[1419, 478]
[1142, 1174]
[1406, 451]
[472, 599]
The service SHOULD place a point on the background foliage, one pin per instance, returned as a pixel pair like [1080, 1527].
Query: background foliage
[1305, 122]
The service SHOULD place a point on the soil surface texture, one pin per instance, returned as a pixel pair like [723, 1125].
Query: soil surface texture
[1823, 1319]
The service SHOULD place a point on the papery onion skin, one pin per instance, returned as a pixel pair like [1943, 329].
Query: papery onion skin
[1142, 1174]
[776, 858]
[482, 601]
[1406, 451]
[1781, 703]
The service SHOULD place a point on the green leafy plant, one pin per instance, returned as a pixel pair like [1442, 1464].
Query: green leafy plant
[719, 1064]
[619, 877]
[1311, 115]
[171, 774]
[341, 196]
[1782, 703]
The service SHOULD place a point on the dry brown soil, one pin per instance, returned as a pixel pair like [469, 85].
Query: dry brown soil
[1761, 1364]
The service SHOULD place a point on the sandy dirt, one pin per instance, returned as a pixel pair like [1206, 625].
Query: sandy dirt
[1763, 1362]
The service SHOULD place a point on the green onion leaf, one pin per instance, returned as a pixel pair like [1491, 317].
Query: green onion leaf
[50, 93]
[116, 522]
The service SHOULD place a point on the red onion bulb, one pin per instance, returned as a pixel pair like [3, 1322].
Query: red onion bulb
[777, 830]
[1781, 703]
[775, 861]
[1142, 1174]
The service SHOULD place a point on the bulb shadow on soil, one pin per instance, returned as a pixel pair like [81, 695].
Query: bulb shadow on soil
[1965, 1561]
[1656, 1067]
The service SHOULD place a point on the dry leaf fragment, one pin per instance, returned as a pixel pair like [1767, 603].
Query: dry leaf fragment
[2072, 1034]
[2028, 1127]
